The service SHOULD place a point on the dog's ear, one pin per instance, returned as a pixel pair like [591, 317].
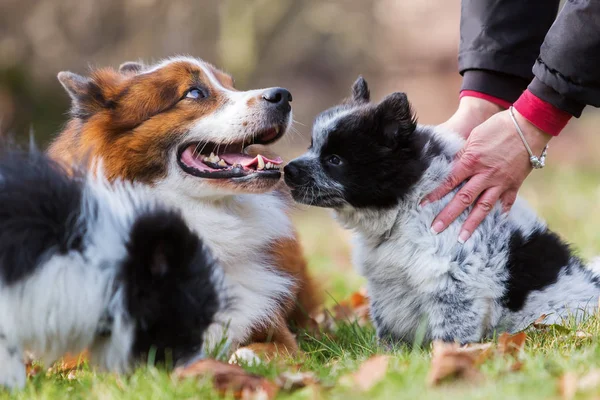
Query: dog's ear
[86, 95]
[395, 118]
[360, 91]
[77, 86]
[131, 67]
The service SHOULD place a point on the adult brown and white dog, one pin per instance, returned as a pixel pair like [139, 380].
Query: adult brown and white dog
[182, 128]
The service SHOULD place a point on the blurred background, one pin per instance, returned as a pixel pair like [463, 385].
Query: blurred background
[315, 48]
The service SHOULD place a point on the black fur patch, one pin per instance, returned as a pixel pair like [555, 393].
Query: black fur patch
[39, 212]
[533, 264]
[171, 295]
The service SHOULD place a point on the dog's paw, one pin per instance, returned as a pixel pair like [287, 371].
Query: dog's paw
[246, 356]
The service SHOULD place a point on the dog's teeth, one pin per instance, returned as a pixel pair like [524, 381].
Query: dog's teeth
[277, 130]
[261, 162]
[222, 163]
[213, 158]
[268, 165]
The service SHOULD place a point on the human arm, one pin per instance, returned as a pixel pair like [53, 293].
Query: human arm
[492, 160]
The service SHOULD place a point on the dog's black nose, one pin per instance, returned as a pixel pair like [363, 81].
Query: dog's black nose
[290, 172]
[279, 97]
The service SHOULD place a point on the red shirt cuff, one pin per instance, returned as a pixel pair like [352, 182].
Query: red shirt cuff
[542, 114]
[472, 93]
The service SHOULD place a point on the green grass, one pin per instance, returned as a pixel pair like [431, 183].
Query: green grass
[568, 199]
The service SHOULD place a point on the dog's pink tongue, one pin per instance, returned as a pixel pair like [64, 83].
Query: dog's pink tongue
[246, 160]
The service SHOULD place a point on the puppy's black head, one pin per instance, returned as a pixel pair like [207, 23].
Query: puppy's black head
[172, 284]
[361, 154]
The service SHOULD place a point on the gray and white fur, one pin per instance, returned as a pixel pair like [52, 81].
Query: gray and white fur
[373, 165]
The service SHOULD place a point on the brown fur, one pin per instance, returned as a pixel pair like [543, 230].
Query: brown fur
[131, 121]
[122, 115]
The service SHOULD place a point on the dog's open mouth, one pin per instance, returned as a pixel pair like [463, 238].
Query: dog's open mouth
[224, 161]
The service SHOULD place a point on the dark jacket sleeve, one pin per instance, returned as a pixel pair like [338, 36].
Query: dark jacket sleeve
[567, 71]
[499, 43]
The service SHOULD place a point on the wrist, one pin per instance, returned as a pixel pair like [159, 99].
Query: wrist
[536, 138]
[481, 107]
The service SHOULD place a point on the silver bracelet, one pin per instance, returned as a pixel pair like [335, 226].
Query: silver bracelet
[536, 162]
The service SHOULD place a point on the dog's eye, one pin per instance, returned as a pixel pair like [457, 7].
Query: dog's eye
[334, 160]
[195, 93]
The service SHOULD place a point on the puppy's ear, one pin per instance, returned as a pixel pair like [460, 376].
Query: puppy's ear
[396, 118]
[360, 91]
[131, 67]
[86, 95]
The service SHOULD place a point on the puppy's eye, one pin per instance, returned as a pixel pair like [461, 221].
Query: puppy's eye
[195, 93]
[334, 160]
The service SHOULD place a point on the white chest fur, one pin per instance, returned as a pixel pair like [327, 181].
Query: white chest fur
[239, 230]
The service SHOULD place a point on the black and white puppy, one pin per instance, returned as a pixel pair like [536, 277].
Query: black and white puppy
[373, 164]
[86, 264]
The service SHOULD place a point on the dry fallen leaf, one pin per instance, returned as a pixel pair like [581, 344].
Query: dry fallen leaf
[295, 380]
[359, 298]
[583, 335]
[229, 378]
[516, 366]
[353, 309]
[540, 325]
[511, 344]
[450, 360]
[32, 369]
[371, 372]
[70, 362]
[570, 384]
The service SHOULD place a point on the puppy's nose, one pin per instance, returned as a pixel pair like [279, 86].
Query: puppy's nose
[278, 97]
[291, 173]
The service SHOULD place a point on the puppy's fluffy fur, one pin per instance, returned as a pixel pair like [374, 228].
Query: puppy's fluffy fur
[166, 125]
[85, 264]
[373, 164]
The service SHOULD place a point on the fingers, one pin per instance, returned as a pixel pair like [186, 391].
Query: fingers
[508, 199]
[460, 172]
[461, 201]
[484, 205]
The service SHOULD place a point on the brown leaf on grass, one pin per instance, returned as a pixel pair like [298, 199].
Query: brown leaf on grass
[295, 380]
[342, 312]
[570, 384]
[359, 298]
[583, 335]
[450, 360]
[567, 385]
[353, 309]
[32, 370]
[371, 372]
[69, 363]
[511, 344]
[516, 366]
[229, 378]
[540, 325]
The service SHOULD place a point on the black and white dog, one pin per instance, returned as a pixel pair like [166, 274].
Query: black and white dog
[87, 264]
[373, 164]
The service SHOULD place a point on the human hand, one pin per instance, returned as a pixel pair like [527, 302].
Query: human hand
[495, 162]
[471, 112]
